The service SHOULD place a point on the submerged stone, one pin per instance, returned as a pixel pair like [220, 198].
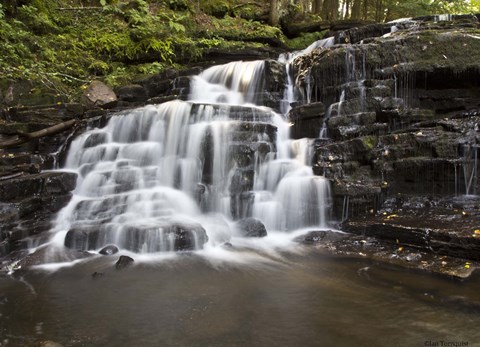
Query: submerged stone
[251, 227]
[109, 250]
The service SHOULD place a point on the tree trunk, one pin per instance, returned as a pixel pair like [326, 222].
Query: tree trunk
[365, 9]
[357, 4]
[317, 6]
[379, 14]
[330, 9]
[274, 18]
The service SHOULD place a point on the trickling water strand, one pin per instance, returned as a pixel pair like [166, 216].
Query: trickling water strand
[308, 83]
[287, 59]
[470, 168]
[186, 168]
[337, 107]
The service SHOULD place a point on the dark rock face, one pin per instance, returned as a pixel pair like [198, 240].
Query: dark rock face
[251, 227]
[132, 93]
[307, 120]
[123, 262]
[28, 202]
[401, 119]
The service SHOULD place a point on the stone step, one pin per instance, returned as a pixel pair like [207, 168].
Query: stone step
[42, 184]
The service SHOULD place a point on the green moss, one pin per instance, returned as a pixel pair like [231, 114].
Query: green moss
[61, 51]
[369, 141]
[237, 29]
[305, 39]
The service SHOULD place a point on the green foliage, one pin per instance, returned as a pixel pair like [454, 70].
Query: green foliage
[178, 5]
[235, 28]
[305, 39]
[37, 20]
[62, 50]
[151, 68]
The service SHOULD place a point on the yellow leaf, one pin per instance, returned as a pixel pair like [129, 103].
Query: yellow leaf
[400, 249]
[467, 266]
[477, 232]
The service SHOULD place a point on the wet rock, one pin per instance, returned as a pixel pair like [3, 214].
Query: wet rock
[123, 262]
[359, 33]
[168, 236]
[47, 255]
[188, 237]
[275, 76]
[236, 112]
[82, 238]
[307, 120]
[159, 84]
[95, 139]
[316, 236]
[431, 225]
[98, 94]
[242, 181]
[242, 154]
[109, 250]
[132, 93]
[251, 227]
[161, 99]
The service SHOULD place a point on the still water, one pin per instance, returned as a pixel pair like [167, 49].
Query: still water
[302, 297]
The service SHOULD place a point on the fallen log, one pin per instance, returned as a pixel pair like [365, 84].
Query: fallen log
[26, 137]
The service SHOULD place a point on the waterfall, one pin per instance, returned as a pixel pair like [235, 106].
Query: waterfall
[177, 175]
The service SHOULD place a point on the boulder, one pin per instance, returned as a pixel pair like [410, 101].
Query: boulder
[109, 250]
[251, 227]
[188, 237]
[98, 94]
[123, 262]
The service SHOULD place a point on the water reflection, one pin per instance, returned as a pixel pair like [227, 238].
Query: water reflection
[302, 298]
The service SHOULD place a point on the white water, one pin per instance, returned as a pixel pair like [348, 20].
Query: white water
[192, 165]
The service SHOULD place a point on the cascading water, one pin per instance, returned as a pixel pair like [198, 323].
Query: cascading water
[290, 92]
[175, 176]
